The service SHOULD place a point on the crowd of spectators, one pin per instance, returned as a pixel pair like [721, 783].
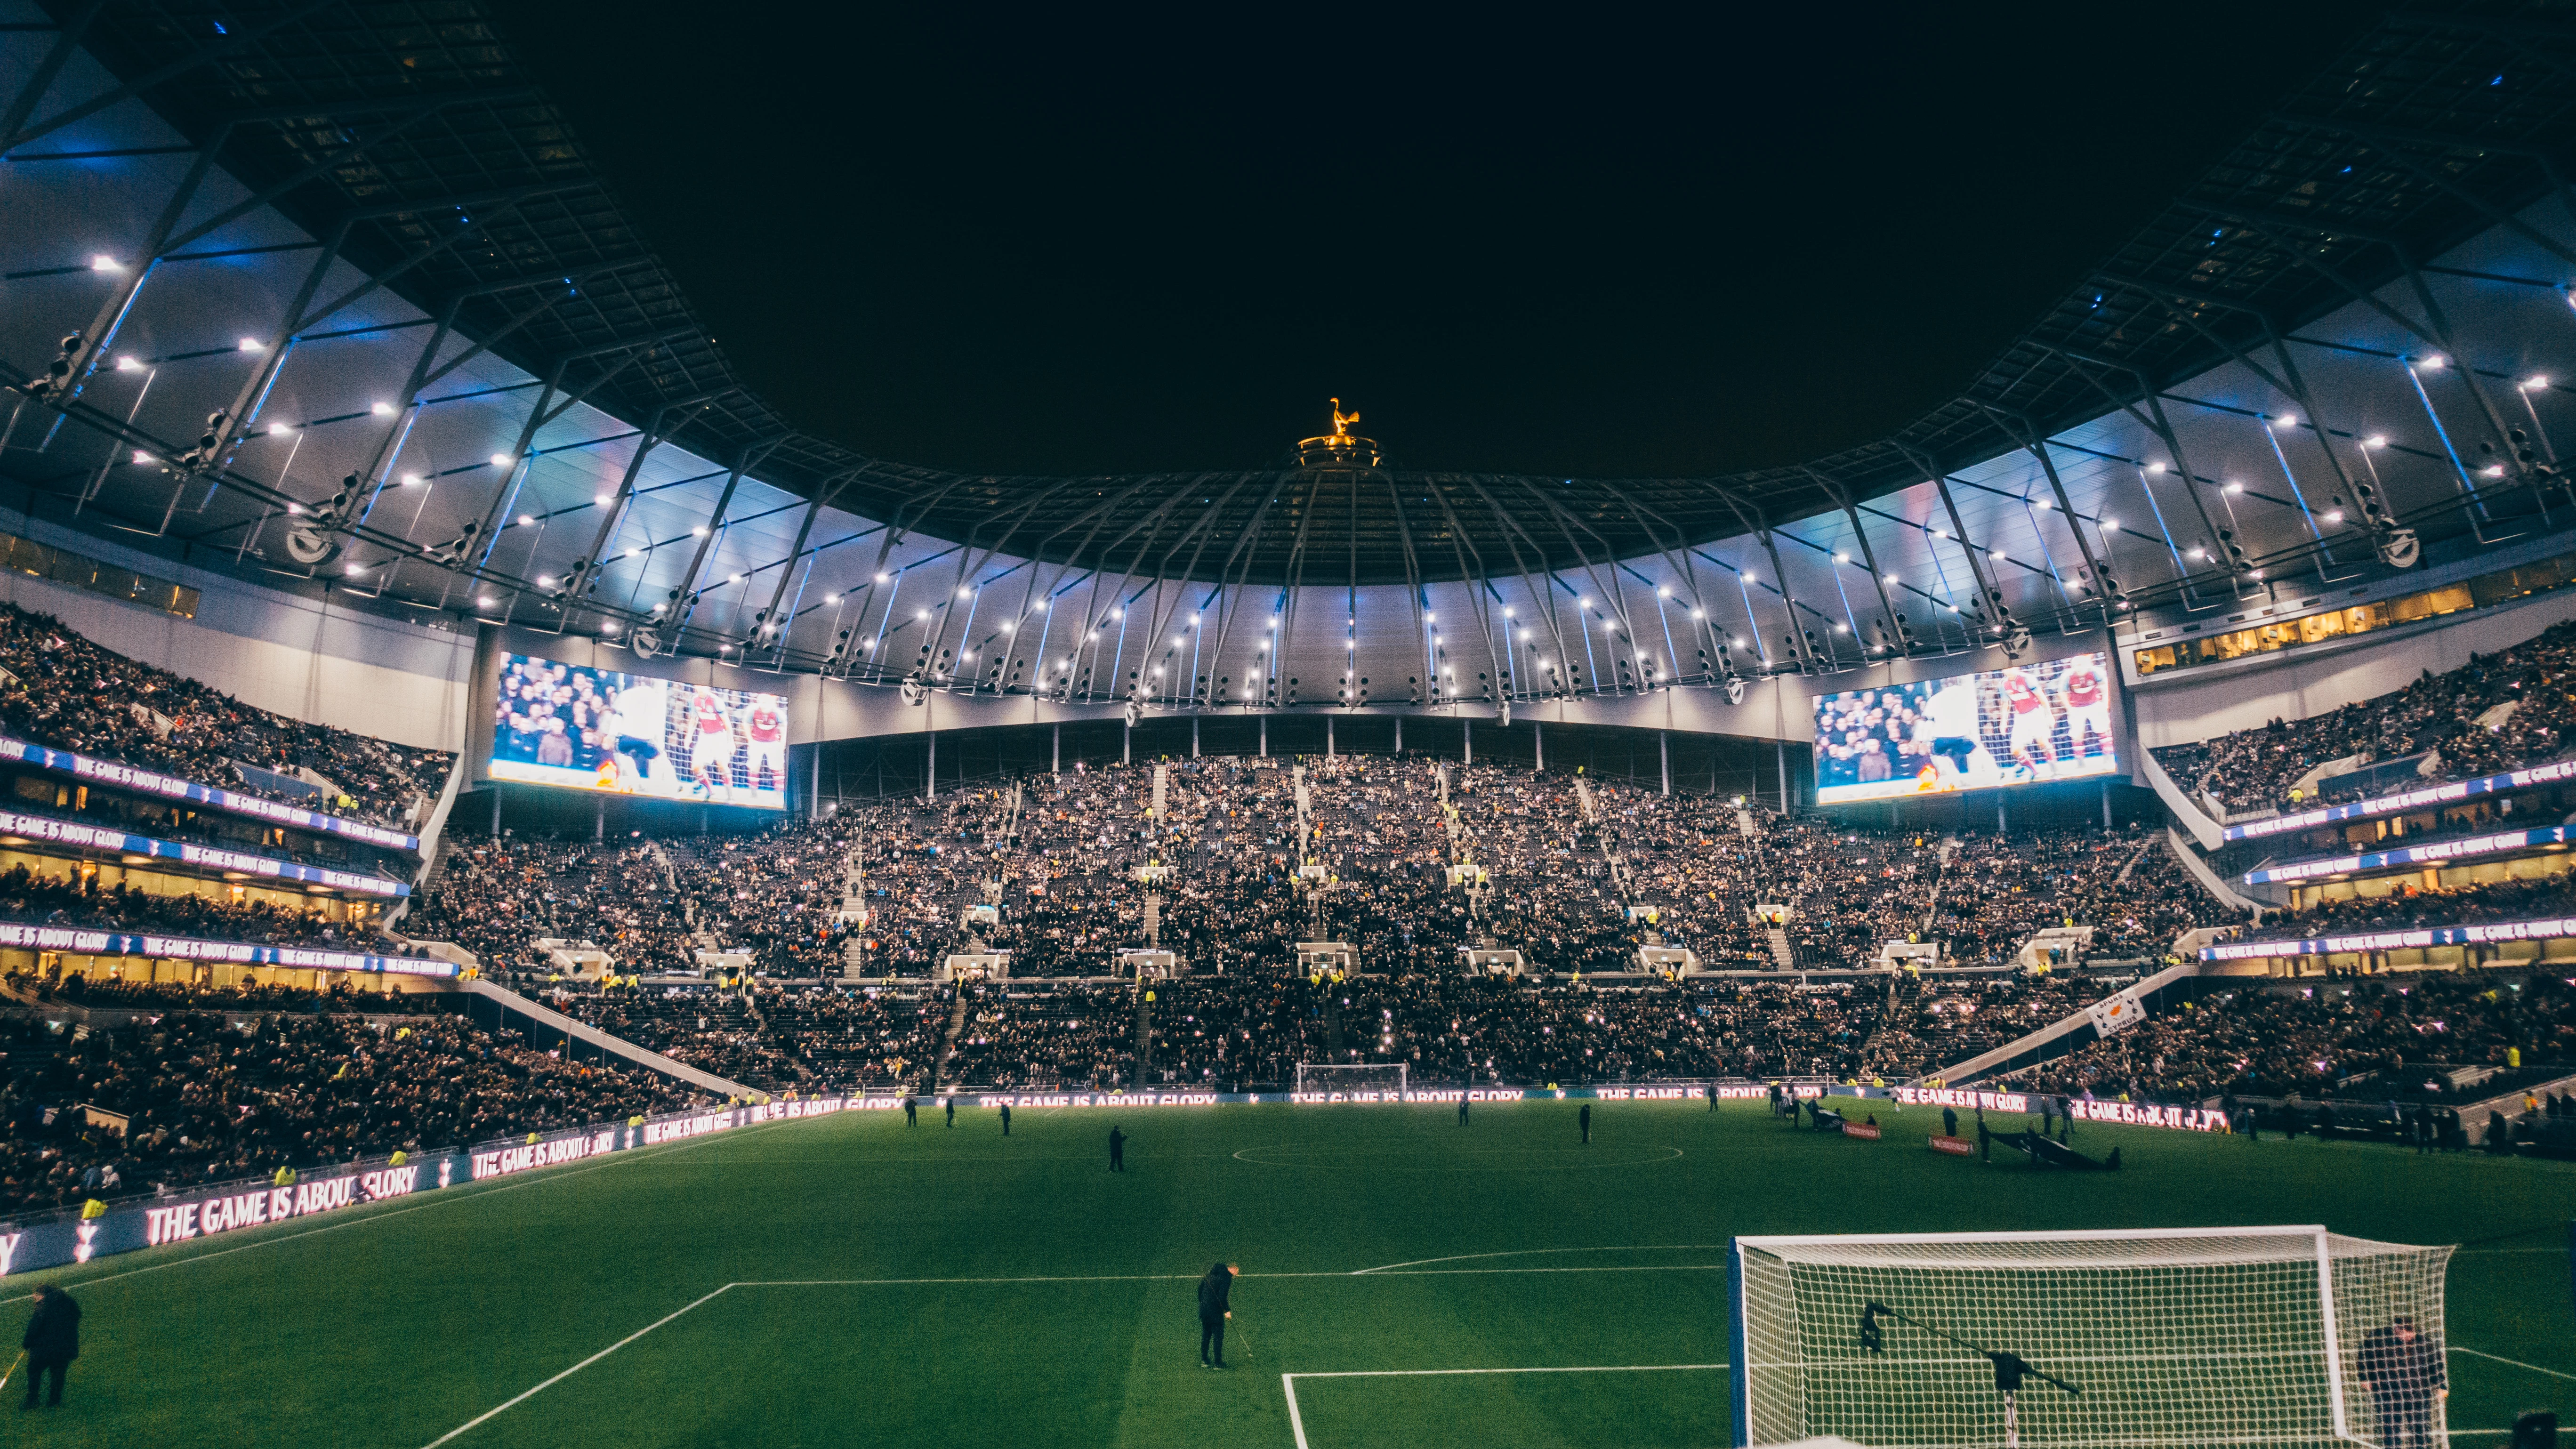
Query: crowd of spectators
[2409, 906]
[2255, 769]
[202, 1100]
[2368, 1037]
[68, 899]
[58, 688]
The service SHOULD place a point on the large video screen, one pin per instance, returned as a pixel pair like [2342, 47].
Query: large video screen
[628, 734]
[2019, 726]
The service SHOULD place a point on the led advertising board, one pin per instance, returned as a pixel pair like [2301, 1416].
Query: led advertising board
[2024, 725]
[581, 728]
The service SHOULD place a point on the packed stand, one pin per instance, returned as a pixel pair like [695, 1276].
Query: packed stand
[2254, 769]
[61, 690]
[204, 1101]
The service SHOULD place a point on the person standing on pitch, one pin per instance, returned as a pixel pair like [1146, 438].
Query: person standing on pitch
[52, 1341]
[1006, 1119]
[1583, 1119]
[1949, 1121]
[1117, 1150]
[952, 1111]
[1462, 1109]
[1213, 1313]
[2403, 1367]
[908, 1106]
[1712, 1096]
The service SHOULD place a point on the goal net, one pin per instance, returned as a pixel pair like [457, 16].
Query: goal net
[1350, 1077]
[2150, 1337]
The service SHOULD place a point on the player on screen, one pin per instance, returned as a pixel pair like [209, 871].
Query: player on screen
[766, 725]
[1947, 733]
[2088, 707]
[710, 746]
[2032, 721]
[634, 727]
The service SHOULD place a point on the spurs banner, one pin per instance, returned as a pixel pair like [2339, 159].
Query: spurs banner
[2116, 1012]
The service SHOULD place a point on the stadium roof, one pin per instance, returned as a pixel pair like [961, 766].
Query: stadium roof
[451, 206]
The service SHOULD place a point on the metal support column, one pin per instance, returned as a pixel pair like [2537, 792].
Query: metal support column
[1664, 754]
[1055, 753]
[930, 770]
[1538, 747]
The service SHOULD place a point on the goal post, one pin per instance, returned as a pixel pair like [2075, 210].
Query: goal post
[1351, 1077]
[2254, 1336]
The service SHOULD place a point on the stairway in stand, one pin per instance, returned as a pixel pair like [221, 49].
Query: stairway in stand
[948, 1040]
[1144, 1036]
[1780, 951]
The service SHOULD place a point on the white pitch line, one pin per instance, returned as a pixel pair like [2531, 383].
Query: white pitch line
[2517, 1363]
[1532, 1252]
[567, 1373]
[1297, 1422]
[443, 1197]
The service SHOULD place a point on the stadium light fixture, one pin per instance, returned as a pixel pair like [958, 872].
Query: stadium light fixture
[251, 344]
[1507, 612]
[502, 460]
[2492, 470]
[608, 626]
[2334, 515]
[1842, 557]
[831, 598]
[412, 480]
[965, 593]
[603, 499]
[527, 520]
[141, 456]
[1841, 628]
[484, 602]
[698, 531]
[129, 363]
[1697, 614]
[280, 430]
[353, 570]
[634, 552]
[2234, 488]
[102, 262]
[2042, 504]
[921, 613]
[2110, 525]
[737, 578]
[2431, 362]
[2536, 380]
[382, 409]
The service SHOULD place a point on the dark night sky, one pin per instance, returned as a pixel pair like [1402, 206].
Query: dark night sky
[1578, 243]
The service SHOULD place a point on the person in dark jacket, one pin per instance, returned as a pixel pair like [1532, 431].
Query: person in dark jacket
[2403, 1367]
[1117, 1150]
[1213, 1313]
[52, 1341]
[1583, 1119]
[1006, 1119]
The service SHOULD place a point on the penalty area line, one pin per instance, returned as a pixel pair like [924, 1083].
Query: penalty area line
[508, 1404]
[1297, 1422]
[2517, 1363]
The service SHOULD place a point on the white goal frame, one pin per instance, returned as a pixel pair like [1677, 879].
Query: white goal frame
[1800, 1371]
[1320, 1076]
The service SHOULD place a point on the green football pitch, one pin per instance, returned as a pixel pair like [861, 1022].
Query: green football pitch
[849, 1280]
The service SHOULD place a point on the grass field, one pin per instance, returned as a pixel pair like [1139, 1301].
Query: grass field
[851, 1281]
